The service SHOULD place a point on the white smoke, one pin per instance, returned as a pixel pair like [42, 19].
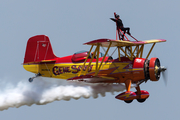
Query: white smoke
[42, 91]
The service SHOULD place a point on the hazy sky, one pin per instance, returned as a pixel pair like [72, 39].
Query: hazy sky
[69, 24]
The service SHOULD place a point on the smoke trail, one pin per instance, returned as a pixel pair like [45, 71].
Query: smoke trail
[42, 91]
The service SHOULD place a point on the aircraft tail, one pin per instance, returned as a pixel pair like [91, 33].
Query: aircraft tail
[38, 49]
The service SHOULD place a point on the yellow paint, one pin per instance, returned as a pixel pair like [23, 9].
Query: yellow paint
[141, 49]
[98, 46]
[32, 68]
[150, 50]
[119, 54]
[103, 59]
[91, 60]
[86, 60]
[69, 70]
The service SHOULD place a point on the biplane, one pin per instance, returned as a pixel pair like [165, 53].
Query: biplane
[93, 66]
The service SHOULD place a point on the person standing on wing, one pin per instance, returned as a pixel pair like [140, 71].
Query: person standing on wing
[120, 25]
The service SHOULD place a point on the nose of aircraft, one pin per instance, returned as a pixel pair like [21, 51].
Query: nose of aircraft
[155, 69]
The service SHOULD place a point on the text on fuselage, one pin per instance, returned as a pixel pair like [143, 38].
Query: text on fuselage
[57, 70]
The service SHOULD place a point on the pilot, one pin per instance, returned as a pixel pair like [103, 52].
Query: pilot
[120, 25]
[92, 55]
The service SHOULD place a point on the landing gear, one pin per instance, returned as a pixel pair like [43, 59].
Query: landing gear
[141, 100]
[31, 79]
[128, 101]
[129, 96]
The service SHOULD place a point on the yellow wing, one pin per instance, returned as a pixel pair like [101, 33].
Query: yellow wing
[120, 43]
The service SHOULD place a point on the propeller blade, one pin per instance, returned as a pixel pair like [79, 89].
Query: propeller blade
[164, 74]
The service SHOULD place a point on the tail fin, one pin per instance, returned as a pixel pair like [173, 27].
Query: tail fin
[38, 48]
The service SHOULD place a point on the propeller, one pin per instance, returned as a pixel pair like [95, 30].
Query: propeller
[164, 73]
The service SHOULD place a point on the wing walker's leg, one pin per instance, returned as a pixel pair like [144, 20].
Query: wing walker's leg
[117, 34]
[123, 35]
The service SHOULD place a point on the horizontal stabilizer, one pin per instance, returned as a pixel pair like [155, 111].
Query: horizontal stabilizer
[43, 61]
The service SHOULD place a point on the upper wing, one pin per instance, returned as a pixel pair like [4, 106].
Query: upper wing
[154, 41]
[120, 43]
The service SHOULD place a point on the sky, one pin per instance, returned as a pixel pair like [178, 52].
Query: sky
[69, 24]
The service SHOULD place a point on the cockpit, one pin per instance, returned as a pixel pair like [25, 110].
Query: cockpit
[81, 55]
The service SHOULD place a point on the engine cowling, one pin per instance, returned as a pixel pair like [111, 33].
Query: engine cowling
[153, 69]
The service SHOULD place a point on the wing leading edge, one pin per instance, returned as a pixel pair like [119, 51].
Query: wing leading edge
[119, 43]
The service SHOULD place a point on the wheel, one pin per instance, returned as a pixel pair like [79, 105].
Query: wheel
[30, 79]
[141, 100]
[128, 101]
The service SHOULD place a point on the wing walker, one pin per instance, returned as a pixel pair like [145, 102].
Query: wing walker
[95, 67]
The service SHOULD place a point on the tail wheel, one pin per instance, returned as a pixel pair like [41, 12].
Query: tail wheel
[31, 79]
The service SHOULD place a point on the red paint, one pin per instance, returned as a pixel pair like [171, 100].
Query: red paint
[152, 66]
[128, 95]
[38, 48]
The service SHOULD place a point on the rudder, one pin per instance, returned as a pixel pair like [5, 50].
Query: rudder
[38, 48]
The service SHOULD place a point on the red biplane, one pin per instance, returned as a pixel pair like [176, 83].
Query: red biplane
[95, 67]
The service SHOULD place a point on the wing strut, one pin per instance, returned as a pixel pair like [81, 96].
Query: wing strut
[131, 52]
[140, 51]
[97, 59]
[90, 61]
[86, 60]
[125, 53]
[150, 50]
[119, 53]
[96, 72]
